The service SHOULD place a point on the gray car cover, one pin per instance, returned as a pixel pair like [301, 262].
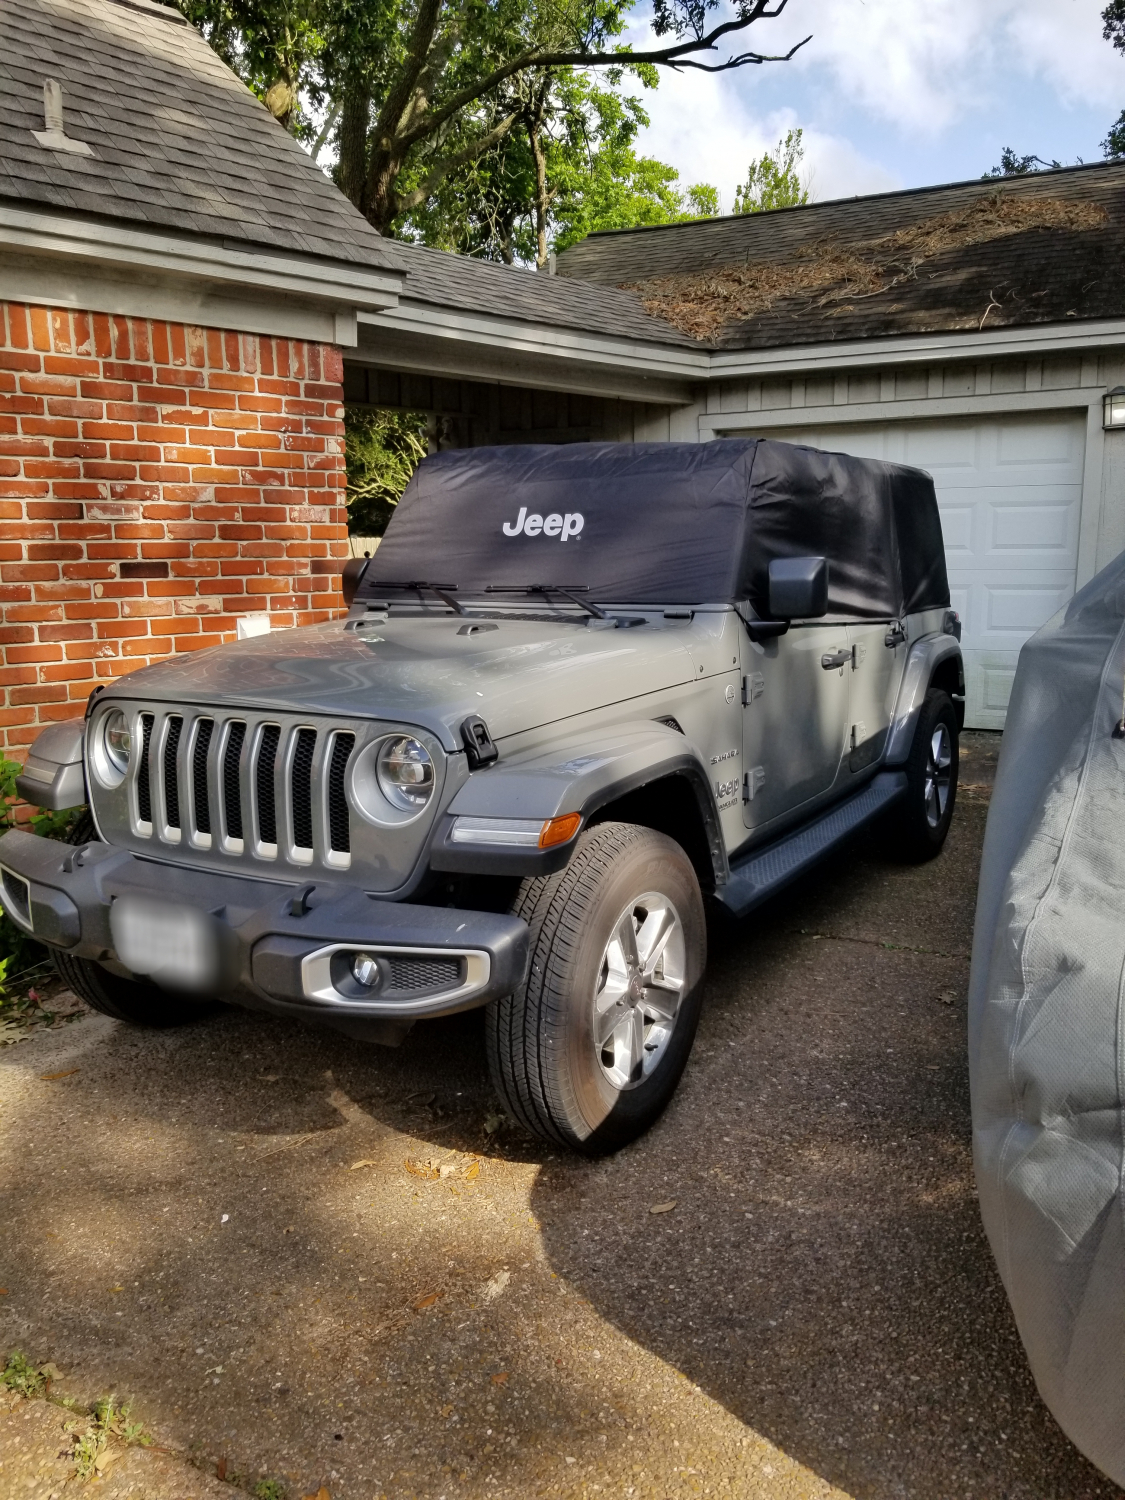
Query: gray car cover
[1047, 1019]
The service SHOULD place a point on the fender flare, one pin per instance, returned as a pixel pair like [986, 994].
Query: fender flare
[581, 774]
[923, 660]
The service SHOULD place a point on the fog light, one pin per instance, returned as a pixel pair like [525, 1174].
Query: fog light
[365, 971]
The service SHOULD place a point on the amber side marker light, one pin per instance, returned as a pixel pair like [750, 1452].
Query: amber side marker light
[560, 830]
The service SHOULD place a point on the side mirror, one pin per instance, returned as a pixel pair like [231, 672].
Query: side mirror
[354, 569]
[798, 588]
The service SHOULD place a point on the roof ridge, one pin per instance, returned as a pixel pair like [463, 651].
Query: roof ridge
[914, 192]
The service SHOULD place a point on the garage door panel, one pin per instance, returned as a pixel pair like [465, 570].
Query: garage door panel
[1049, 443]
[1019, 610]
[1009, 491]
[1039, 526]
[957, 529]
[950, 452]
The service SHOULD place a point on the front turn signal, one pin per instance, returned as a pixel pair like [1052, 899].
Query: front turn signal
[560, 830]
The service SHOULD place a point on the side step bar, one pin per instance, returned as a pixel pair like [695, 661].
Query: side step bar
[765, 871]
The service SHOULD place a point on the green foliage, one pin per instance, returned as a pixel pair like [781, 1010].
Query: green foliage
[593, 180]
[22, 1377]
[18, 952]
[414, 93]
[1012, 165]
[775, 180]
[106, 1420]
[1114, 143]
[269, 1489]
[382, 450]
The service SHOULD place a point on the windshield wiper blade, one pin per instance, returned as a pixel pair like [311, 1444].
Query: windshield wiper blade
[444, 591]
[571, 592]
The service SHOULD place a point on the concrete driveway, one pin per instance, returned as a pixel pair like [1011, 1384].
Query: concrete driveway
[333, 1266]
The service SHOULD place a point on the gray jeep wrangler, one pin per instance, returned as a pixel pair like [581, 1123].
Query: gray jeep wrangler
[578, 691]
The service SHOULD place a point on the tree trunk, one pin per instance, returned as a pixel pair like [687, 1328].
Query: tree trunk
[354, 123]
[542, 196]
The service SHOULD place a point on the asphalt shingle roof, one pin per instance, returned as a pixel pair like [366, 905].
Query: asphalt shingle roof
[1055, 256]
[178, 142]
[458, 281]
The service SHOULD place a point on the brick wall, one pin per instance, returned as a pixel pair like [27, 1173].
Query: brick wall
[156, 481]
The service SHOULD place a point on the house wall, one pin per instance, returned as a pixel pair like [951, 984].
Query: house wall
[157, 480]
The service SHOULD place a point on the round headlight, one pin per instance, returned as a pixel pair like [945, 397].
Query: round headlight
[117, 740]
[406, 773]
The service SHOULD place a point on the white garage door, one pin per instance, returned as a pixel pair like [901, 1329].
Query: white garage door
[1010, 493]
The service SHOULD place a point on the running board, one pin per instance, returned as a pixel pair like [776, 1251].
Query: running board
[767, 870]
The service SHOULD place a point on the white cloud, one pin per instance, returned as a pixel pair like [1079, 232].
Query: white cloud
[925, 64]
[705, 129]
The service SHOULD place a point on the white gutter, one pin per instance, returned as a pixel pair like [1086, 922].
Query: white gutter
[542, 339]
[117, 246]
[1040, 338]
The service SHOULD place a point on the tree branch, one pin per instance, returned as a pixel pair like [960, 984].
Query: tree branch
[674, 57]
[451, 163]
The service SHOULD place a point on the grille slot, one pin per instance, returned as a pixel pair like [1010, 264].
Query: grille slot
[339, 828]
[232, 791]
[425, 973]
[144, 794]
[171, 780]
[263, 784]
[199, 775]
[300, 788]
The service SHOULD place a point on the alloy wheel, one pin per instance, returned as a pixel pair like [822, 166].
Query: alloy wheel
[639, 989]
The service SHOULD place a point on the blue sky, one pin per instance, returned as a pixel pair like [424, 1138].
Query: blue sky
[899, 93]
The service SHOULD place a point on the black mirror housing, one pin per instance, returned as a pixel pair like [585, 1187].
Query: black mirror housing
[798, 588]
[350, 578]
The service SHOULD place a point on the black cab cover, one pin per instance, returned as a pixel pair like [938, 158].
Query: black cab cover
[668, 523]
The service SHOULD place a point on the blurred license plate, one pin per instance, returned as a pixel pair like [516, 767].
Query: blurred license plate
[177, 946]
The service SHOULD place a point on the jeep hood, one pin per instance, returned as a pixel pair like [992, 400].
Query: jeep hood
[418, 670]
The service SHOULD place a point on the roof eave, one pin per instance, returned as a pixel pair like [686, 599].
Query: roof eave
[472, 345]
[118, 245]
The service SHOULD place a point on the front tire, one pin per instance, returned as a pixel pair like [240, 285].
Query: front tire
[588, 1052]
[920, 822]
[129, 1000]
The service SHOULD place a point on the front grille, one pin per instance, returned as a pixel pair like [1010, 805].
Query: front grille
[245, 788]
[425, 973]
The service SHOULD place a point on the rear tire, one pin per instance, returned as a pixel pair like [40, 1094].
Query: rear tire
[588, 1052]
[918, 824]
[128, 1000]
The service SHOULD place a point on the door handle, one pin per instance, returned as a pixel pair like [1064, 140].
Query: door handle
[831, 660]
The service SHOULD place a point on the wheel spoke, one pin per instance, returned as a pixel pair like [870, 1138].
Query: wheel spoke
[662, 1003]
[653, 937]
[608, 1024]
[636, 1044]
[626, 937]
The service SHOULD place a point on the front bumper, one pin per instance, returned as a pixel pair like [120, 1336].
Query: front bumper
[278, 948]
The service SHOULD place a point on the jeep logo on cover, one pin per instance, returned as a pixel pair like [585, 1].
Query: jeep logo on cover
[564, 527]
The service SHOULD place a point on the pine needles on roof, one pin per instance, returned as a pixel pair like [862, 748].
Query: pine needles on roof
[831, 275]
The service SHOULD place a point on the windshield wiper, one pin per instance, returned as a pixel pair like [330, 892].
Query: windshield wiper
[444, 591]
[571, 592]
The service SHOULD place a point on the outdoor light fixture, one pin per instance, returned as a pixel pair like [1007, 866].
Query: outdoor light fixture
[1113, 408]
